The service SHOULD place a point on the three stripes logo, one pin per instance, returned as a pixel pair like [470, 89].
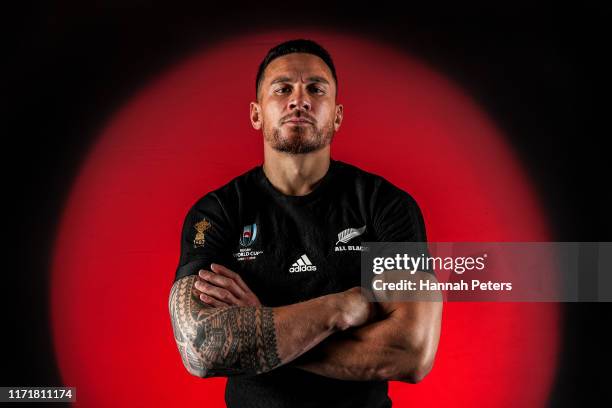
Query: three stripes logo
[303, 264]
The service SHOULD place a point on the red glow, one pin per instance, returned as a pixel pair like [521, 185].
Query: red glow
[189, 132]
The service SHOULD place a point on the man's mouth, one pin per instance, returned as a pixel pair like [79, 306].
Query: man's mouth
[298, 121]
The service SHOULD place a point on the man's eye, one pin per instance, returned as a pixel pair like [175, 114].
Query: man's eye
[282, 90]
[316, 89]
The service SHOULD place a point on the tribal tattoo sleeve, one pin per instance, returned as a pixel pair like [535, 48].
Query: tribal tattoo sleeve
[222, 341]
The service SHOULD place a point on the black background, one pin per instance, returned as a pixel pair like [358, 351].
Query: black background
[538, 71]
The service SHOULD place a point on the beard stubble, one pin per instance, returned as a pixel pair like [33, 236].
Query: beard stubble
[301, 140]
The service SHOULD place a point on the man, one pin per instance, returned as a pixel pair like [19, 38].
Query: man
[267, 288]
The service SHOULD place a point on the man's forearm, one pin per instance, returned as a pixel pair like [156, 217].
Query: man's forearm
[352, 358]
[238, 340]
[399, 347]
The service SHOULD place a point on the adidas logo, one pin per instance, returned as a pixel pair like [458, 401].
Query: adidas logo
[302, 264]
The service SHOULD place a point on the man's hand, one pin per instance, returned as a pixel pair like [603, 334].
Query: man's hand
[223, 287]
[357, 309]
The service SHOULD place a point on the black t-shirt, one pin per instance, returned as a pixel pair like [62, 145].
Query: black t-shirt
[288, 249]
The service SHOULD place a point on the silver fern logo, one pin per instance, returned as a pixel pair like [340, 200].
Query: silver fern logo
[350, 233]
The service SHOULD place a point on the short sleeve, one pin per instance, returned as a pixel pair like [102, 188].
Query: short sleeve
[398, 218]
[204, 237]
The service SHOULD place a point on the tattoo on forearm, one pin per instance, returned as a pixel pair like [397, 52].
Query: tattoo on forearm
[221, 341]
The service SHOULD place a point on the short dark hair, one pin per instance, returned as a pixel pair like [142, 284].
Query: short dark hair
[289, 47]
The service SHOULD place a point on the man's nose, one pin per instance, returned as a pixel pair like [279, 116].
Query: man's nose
[299, 101]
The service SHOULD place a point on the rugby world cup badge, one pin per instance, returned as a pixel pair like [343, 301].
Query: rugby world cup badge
[247, 239]
[249, 234]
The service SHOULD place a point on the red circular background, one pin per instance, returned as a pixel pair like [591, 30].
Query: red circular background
[188, 132]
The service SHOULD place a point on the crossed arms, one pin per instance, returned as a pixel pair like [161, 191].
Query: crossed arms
[221, 329]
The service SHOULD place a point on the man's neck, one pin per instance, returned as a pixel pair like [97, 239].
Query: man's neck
[296, 174]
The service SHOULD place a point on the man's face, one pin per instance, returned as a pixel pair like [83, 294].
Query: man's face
[296, 107]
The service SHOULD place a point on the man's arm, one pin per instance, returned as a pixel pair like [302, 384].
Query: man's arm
[401, 346]
[235, 340]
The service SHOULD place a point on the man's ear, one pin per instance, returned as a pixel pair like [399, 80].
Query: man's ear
[338, 117]
[255, 115]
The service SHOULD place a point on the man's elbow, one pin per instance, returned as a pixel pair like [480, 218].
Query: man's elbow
[197, 372]
[417, 362]
[408, 368]
[196, 365]
[417, 372]
[202, 370]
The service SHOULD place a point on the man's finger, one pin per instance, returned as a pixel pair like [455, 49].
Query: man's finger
[218, 293]
[210, 301]
[222, 270]
[222, 282]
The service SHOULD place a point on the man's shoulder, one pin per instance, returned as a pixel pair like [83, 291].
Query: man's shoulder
[366, 179]
[352, 172]
[227, 194]
[377, 190]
